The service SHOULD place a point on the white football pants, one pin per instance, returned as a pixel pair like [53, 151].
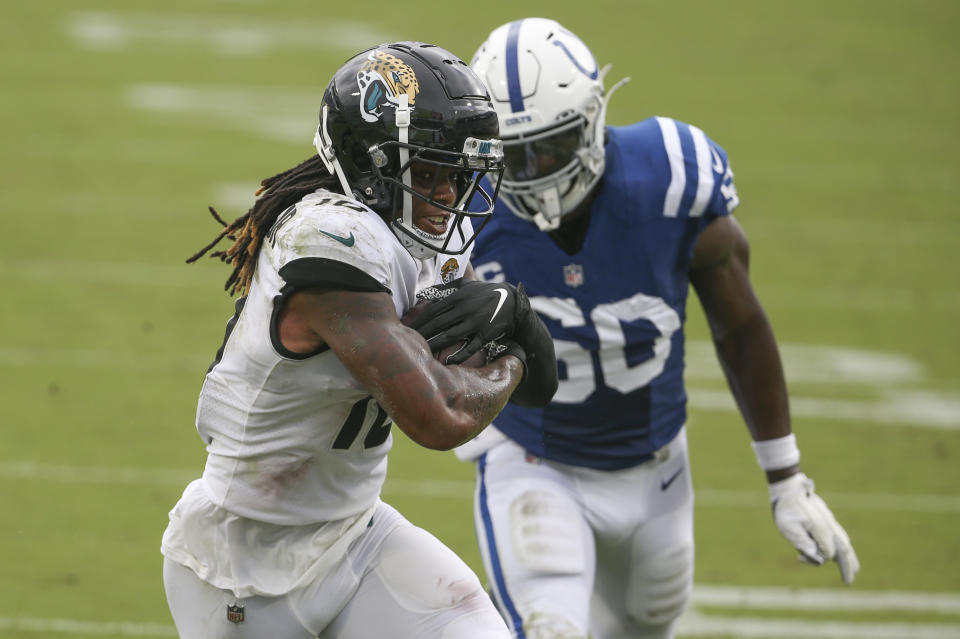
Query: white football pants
[574, 552]
[395, 581]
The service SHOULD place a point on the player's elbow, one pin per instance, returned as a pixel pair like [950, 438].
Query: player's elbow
[442, 432]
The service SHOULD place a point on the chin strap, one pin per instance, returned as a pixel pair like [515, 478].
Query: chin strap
[403, 125]
[417, 249]
[550, 202]
[324, 146]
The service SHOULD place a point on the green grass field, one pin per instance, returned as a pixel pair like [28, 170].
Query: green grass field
[124, 120]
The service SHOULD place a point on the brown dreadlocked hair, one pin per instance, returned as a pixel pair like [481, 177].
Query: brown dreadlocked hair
[247, 231]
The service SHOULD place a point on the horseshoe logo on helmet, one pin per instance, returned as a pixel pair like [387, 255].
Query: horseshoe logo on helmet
[590, 74]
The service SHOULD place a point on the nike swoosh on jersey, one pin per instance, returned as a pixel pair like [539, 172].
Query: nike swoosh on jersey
[503, 298]
[665, 483]
[346, 241]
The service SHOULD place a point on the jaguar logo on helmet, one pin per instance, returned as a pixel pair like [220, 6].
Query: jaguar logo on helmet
[382, 79]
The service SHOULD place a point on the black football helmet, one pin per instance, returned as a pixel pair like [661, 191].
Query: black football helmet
[407, 102]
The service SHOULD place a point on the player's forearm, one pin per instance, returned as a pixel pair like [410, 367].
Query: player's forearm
[751, 363]
[464, 401]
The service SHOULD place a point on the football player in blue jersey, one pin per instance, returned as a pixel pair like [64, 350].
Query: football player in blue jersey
[584, 508]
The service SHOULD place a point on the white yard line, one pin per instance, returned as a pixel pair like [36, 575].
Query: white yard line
[275, 114]
[746, 628]
[824, 599]
[89, 628]
[902, 393]
[462, 489]
[222, 34]
[692, 623]
[848, 501]
[865, 299]
[903, 407]
[816, 363]
[918, 408]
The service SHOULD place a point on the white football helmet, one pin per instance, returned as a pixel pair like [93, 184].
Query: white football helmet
[548, 92]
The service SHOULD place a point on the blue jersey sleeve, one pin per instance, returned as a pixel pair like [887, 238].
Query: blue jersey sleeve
[700, 178]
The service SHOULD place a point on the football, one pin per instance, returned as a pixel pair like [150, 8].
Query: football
[476, 360]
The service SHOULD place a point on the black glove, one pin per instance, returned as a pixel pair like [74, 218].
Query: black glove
[540, 379]
[506, 346]
[475, 312]
[481, 312]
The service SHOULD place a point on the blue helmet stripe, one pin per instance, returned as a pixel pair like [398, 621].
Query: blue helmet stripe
[513, 67]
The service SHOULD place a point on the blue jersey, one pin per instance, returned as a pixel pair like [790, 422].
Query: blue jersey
[616, 307]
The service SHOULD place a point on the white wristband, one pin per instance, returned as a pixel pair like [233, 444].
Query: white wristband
[773, 454]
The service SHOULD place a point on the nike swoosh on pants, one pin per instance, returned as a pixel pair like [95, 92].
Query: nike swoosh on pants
[665, 483]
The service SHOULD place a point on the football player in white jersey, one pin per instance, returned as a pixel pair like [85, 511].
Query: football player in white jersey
[584, 508]
[285, 535]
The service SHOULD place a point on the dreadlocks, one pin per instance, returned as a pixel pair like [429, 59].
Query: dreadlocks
[247, 231]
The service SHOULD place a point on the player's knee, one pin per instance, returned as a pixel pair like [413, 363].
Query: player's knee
[482, 623]
[661, 588]
[545, 532]
[550, 625]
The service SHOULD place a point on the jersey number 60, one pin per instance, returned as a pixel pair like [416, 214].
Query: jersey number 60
[608, 320]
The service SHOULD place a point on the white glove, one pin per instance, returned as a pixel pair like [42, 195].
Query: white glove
[804, 519]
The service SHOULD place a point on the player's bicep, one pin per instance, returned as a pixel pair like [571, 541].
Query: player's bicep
[722, 244]
[364, 332]
[719, 272]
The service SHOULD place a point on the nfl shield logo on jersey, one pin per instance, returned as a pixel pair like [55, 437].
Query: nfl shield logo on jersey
[235, 613]
[573, 275]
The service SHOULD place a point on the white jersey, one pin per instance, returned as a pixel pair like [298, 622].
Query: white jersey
[294, 440]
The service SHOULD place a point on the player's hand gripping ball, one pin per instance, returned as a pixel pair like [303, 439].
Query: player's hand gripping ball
[475, 360]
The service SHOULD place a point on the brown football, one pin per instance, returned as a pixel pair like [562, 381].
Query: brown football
[476, 360]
